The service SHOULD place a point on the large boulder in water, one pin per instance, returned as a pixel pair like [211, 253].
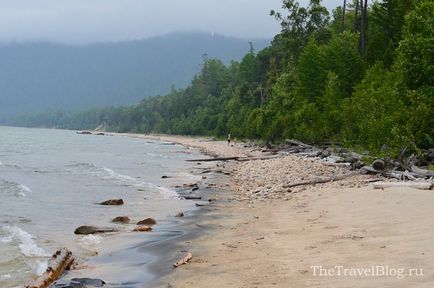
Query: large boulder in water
[85, 230]
[121, 219]
[147, 221]
[113, 202]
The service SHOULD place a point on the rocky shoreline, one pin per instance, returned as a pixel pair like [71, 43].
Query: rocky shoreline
[269, 232]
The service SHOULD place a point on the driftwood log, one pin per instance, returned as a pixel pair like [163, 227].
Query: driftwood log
[241, 159]
[297, 143]
[213, 159]
[422, 172]
[59, 262]
[320, 180]
[415, 185]
[184, 260]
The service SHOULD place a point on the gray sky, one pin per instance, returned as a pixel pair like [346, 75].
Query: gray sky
[83, 21]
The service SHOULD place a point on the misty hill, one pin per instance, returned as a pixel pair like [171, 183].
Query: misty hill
[37, 77]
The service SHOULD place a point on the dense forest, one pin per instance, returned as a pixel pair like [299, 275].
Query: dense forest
[362, 76]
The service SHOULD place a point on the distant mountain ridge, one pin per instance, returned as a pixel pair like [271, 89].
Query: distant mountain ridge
[35, 77]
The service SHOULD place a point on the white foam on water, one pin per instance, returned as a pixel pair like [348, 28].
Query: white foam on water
[118, 176]
[91, 240]
[7, 239]
[166, 193]
[24, 188]
[27, 244]
[5, 276]
[13, 188]
[91, 243]
[1, 163]
[109, 174]
[41, 267]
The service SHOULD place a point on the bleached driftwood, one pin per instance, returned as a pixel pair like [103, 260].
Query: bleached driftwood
[241, 159]
[320, 180]
[331, 164]
[244, 159]
[184, 260]
[213, 159]
[415, 185]
[297, 143]
[59, 262]
[422, 172]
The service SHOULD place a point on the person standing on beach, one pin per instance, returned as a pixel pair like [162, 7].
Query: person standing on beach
[229, 139]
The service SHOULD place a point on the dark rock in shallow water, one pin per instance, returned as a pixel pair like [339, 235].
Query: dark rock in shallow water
[80, 283]
[113, 202]
[147, 221]
[121, 219]
[85, 230]
[192, 197]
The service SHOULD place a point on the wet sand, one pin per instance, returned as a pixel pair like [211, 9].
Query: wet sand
[283, 238]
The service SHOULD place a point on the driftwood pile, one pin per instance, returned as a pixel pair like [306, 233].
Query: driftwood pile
[403, 169]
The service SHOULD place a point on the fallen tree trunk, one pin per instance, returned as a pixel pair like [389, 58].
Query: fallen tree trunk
[243, 159]
[297, 143]
[331, 164]
[415, 185]
[59, 262]
[422, 172]
[213, 159]
[400, 175]
[183, 260]
[320, 181]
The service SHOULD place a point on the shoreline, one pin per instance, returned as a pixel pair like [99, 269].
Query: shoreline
[163, 248]
[275, 239]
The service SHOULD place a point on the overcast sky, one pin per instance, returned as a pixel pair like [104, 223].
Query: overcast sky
[84, 21]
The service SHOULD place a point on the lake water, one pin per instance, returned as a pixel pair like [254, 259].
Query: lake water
[50, 181]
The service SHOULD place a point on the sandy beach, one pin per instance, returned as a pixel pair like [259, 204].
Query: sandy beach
[338, 234]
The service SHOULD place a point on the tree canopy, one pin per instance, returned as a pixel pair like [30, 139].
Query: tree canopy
[314, 83]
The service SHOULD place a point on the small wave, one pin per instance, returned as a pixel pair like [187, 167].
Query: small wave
[27, 244]
[165, 192]
[91, 243]
[24, 188]
[116, 176]
[157, 155]
[10, 188]
[90, 240]
[5, 277]
[7, 239]
[121, 179]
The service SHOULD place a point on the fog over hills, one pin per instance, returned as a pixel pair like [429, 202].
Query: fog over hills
[35, 77]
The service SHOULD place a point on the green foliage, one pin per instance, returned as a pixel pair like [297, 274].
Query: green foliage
[416, 50]
[311, 84]
[376, 114]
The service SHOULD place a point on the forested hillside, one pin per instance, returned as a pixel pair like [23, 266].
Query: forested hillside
[36, 77]
[362, 76]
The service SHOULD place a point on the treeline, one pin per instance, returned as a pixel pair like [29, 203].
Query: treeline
[362, 76]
